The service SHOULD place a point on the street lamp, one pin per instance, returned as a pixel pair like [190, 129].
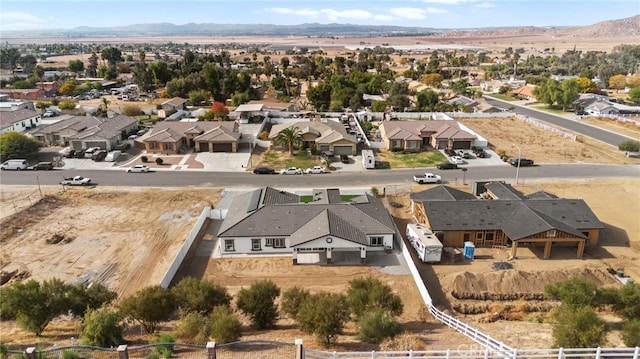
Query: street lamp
[518, 164]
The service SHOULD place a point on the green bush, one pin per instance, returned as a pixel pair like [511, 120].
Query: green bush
[258, 302]
[102, 328]
[70, 354]
[144, 159]
[292, 299]
[166, 350]
[396, 149]
[376, 326]
[193, 328]
[226, 328]
[375, 191]
[631, 333]
[629, 145]
[67, 105]
[159, 161]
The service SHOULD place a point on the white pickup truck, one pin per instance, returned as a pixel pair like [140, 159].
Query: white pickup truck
[76, 181]
[427, 178]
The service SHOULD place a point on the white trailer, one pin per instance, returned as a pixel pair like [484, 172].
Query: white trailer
[425, 243]
[368, 159]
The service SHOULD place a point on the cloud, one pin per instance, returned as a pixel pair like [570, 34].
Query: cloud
[409, 13]
[446, 2]
[297, 12]
[14, 20]
[485, 5]
[353, 14]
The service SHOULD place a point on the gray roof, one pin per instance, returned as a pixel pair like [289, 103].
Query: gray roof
[503, 191]
[441, 193]
[91, 125]
[8, 118]
[279, 214]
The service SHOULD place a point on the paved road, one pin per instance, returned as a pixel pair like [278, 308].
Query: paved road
[337, 179]
[587, 130]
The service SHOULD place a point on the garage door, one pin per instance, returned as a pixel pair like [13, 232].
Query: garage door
[462, 145]
[222, 147]
[204, 146]
[343, 150]
[101, 144]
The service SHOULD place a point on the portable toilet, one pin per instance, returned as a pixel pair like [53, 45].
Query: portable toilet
[469, 250]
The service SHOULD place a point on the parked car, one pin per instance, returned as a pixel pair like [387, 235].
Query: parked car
[264, 171]
[79, 153]
[291, 171]
[17, 165]
[124, 147]
[344, 158]
[314, 170]
[524, 162]
[138, 169]
[43, 166]
[90, 151]
[447, 166]
[456, 160]
[99, 155]
[427, 178]
[113, 156]
[68, 153]
[76, 181]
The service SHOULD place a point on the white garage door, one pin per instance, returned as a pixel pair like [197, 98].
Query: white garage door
[343, 150]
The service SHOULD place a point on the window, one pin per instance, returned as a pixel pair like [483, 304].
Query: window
[57, 137]
[489, 236]
[551, 233]
[377, 241]
[153, 145]
[168, 146]
[479, 235]
[268, 242]
[229, 245]
[396, 143]
[255, 244]
[278, 243]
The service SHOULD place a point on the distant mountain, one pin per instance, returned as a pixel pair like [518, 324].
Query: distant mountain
[612, 28]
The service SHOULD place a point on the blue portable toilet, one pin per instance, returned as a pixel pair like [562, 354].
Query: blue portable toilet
[469, 250]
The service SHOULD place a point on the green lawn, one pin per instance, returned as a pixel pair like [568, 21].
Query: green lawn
[282, 160]
[551, 109]
[503, 97]
[344, 198]
[412, 160]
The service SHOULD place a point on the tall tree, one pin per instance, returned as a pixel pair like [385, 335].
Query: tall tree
[289, 137]
[18, 145]
[194, 295]
[112, 55]
[368, 294]
[150, 306]
[324, 315]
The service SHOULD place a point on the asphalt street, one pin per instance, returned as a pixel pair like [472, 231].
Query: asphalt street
[365, 178]
[587, 130]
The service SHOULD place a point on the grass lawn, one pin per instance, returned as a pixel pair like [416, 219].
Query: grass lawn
[412, 160]
[551, 109]
[344, 198]
[280, 160]
[503, 97]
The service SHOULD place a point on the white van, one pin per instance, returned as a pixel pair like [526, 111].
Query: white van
[113, 156]
[17, 165]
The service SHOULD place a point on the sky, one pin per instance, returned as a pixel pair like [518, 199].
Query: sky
[439, 14]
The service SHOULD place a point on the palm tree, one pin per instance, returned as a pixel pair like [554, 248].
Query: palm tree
[289, 136]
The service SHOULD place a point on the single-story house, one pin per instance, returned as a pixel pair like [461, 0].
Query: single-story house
[88, 131]
[179, 137]
[420, 135]
[24, 94]
[19, 120]
[525, 92]
[271, 221]
[506, 217]
[171, 106]
[273, 104]
[327, 135]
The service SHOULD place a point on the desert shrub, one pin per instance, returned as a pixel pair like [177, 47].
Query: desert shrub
[225, 328]
[573, 292]
[144, 159]
[159, 161]
[323, 315]
[578, 327]
[195, 295]
[102, 328]
[368, 294]
[70, 354]
[166, 349]
[629, 145]
[131, 110]
[375, 191]
[376, 326]
[193, 328]
[258, 302]
[631, 333]
[67, 105]
[292, 299]
[264, 135]
[403, 342]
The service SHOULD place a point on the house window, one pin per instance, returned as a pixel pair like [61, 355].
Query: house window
[551, 233]
[412, 144]
[268, 242]
[377, 241]
[229, 245]
[489, 236]
[479, 235]
[153, 145]
[168, 146]
[255, 244]
[278, 243]
[396, 143]
[57, 137]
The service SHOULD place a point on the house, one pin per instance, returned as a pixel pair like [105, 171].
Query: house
[19, 120]
[24, 94]
[273, 104]
[180, 137]
[171, 106]
[506, 218]
[326, 135]
[525, 92]
[271, 221]
[464, 101]
[421, 135]
[50, 87]
[88, 131]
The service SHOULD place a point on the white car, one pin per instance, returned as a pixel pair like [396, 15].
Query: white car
[314, 170]
[456, 160]
[138, 169]
[291, 171]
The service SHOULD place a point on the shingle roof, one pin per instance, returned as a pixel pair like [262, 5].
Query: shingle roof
[502, 191]
[441, 193]
[410, 130]
[176, 101]
[91, 126]
[8, 118]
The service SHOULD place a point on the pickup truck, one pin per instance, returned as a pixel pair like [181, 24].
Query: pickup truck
[76, 181]
[427, 178]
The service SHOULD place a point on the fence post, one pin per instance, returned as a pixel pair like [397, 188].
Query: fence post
[299, 349]
[211, 350]
[560, 353]
[598, 352]
[123, 352]
[636, 353]
[31, 353]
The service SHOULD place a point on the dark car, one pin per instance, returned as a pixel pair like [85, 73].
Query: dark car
[264, 171]
[123, 147]
[344, 158]
[447, 166]
[79, 154]
[70, 153]
[99, 155]
[46, 166]
[523, 162]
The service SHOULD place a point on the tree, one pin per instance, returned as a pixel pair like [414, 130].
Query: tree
[226, 327]
[634, 95]
[102, 328]
[618, 82]
[112, 55]
[427, 100]
[375, 326]
[320, 96]
[587, 85]
[18, 145]
[81, 299]
[628, 301]
[76, 66]
[219, 109]
[547, 92]
[258, 302]
[368, 294]
[578, 327]
[570, 92]
[92, 68]
[432, 79]
[35, 304]
[196, 97]
[292, 300]
[379, 106]
[150, 306]
[629, 145]
[289, 137]
[324, 315]
[67, 88]
[193, 328]
[194, 295]
[573, 292]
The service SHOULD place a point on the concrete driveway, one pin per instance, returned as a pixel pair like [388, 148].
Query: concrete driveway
[223, 161]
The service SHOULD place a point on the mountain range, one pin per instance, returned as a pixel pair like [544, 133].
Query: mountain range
[622, 27]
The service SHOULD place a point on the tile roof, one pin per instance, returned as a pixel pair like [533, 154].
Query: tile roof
[328, 131]
[414, 130]
[176, 101]
[168, 131]
[8, 118]
[91, 126]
